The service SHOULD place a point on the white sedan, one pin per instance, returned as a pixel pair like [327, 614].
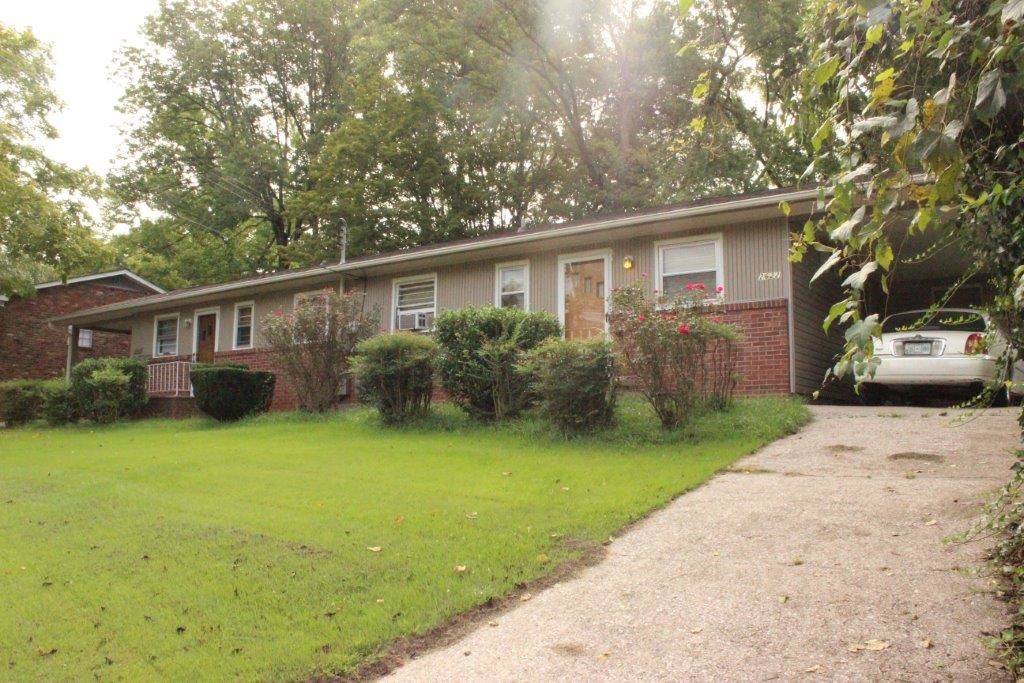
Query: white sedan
[952, 350]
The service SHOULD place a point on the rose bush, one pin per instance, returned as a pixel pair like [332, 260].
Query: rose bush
[677, 350]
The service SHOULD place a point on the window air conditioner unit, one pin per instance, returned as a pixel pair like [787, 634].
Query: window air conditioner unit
[412, 322]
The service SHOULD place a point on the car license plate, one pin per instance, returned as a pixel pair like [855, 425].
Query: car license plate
[917, 348]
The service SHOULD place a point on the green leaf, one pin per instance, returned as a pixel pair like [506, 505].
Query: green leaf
[991, 96]
[785, 208]
[874, 34]
[684, 7]
[829, 263]
[844, 231]
[700, 90]
[888, 73]
[874, 122]
[826, 71]
[858, 279]
[837, 310]
[821, 135]
[1013, 10]
[884, 255]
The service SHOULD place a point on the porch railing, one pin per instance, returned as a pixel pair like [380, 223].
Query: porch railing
[169, 378]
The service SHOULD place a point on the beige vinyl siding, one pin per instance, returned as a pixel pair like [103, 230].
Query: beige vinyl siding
[814, 351]
[263, 305]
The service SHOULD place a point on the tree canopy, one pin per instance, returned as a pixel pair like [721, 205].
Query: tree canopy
[45, 227]
[264, 127]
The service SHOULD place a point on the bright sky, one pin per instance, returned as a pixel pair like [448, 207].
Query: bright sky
[84, 38]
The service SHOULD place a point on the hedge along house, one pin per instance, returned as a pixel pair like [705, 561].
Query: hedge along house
[740, 243]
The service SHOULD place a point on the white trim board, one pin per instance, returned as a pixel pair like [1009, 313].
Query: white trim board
[715, 237]
[498, 267]
[395, 282]
[252, 326]
[177, 334]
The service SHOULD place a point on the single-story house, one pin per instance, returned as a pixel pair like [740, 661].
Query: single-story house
[739, 243]
[30, 348]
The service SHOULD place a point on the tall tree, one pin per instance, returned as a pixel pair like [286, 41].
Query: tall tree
[45, 227]
[233, 102]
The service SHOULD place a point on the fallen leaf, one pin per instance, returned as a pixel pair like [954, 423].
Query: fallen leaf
[542, 559]
[525, 596]
[931, 522]
[506, 474]
[399, 519]
[460, 568]
[565, 488]
[492, 624]
[472, 515]
[783, 599]
[373, 548]
[874, 644]
[816, 669]
[797, 561]
[604, 655]
[380, 601]
[46, 653]
[696, 629]
[926, 644]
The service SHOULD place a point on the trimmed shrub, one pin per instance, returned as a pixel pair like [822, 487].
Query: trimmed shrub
[230, 392]
[21, 401]
[85, 394]
[396, 374]
[481, 351]
[57, 408]
[109, 388]
[576, 382]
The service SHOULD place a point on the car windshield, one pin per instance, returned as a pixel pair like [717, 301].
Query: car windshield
[940, 321]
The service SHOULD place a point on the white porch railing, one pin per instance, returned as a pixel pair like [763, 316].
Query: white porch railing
[169, 378]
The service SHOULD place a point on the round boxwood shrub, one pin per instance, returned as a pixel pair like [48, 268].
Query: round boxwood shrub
[576, 383]
[21, 401]
[90, 399]
[396, 374]
[231, 392]
[481, 350]
[57, 406]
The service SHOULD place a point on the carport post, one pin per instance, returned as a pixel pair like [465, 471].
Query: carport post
[72, 349]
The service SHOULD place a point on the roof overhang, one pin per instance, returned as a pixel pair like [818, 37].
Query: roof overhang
[693, 216]
[124, 272]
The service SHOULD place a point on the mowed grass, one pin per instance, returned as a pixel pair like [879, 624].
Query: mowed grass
[289, 546]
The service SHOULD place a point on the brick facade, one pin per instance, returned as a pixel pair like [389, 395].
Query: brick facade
[764, 356]
[32, 349]
[763, 360]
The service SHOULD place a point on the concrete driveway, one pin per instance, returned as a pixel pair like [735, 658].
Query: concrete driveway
[820, 556]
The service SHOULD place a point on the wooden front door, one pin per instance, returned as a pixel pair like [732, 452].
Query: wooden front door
[206, 337]
[584, 298]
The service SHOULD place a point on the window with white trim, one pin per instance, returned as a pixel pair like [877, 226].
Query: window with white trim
[415, 304]
[165, 336]
[689, 264]
[512, 286]
[243, 326]
[85, 339]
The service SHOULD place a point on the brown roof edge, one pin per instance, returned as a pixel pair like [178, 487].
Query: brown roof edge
[698, 207]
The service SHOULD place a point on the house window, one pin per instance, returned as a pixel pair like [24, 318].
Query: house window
[415, 303]
[689, 262]
[165, 336]
[512, 286]
[85, 339]
[243, 325]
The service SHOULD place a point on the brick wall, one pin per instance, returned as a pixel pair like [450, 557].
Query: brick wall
[31, 349]
[764, 356]
[264, 359]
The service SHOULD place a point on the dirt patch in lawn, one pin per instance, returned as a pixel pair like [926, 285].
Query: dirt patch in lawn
[914, 455]
[843, 448]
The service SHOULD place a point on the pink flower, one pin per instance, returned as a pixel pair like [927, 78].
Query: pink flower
[696, 285]
[655, 291]
[717, 320]
[641, 318]
[684, 328]
[643, 274]
[719, 289]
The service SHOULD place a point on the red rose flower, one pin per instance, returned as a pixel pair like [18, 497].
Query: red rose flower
[641, 318]
[684, 328]
[719, 289]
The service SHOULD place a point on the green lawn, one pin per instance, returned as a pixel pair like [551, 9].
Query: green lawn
[187, 549]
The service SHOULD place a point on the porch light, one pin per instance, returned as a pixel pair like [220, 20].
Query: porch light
[627, 263]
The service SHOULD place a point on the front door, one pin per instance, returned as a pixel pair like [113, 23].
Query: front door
[584, 288]
[206, 337]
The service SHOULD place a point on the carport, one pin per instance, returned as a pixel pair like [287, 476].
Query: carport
[926, 271]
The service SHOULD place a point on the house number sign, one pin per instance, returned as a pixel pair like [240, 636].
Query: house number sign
[772, 275]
